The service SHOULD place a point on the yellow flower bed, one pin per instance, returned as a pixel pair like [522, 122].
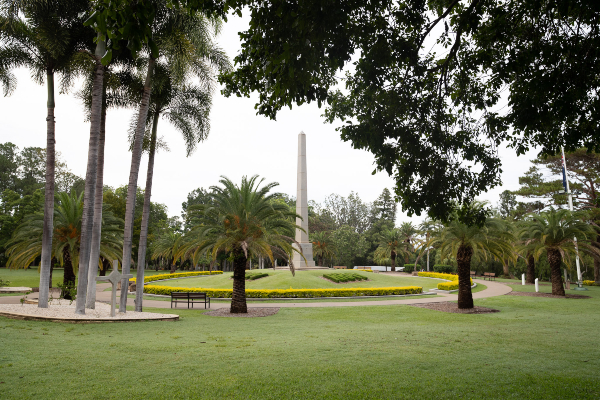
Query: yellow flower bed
[177, 275]
[363, 270]
[452, 285]
[589, 283]
[289, 293]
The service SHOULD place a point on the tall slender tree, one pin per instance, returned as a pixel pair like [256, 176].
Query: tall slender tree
[44, 36]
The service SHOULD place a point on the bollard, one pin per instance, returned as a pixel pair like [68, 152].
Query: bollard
[537, 287]
[523, 279]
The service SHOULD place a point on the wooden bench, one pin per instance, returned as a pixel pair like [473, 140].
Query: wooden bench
[489, 276]
[473, 274]
[190, 298]
[339, 267]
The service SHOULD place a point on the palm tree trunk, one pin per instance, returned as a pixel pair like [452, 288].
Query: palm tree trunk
[393, 257]
[238, 297]
[105, 266]
[597, 262]
[68, 275]
[530, 273]
[136, 158]
[139, 287]
[554, 260]
[48, 227]
[87, 218]
[97, 223]
[463, 260]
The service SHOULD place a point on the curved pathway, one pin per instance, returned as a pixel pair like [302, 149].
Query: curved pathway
[493, 289]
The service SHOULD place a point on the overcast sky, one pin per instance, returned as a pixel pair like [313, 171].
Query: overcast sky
[240, 143]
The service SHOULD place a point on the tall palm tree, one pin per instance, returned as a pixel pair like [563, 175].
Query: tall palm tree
[244, 221]
[26, 243]
[391, 245]
[44, 36]
[177, 34]
[409, 235]
[166, 247]
[554, 232]
[323, 246]
[187, 108]
[464, 242]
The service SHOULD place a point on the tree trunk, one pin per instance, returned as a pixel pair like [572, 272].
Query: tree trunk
[68, 275]
[48, 227]
[136, 158]
[105, 267]
[393, 257]
[506, 269]
[173, 267]
[554, 260]
[596, 244]
[530, 274]
[97, 223]
[139, 288]
[238, 297]
[463, 260]
[51, 271]
[87, 217]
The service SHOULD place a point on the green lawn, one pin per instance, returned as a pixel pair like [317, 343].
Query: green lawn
[30, 277]
[535, 348]
[303, 280]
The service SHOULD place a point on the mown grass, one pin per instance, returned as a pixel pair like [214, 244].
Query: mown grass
[303, 280]
[30, 277]
[168, 298]
[535, 348]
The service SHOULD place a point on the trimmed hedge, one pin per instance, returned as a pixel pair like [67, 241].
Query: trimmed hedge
[443, 269]
[343, 277]
[408, 268]
[290, 293]
[251, 276]
[443, 286]
[590, 283]
[177, 275]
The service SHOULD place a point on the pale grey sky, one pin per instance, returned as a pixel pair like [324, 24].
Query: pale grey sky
[240, 143]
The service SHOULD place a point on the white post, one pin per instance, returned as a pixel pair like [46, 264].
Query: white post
[427, 260]
[570, 197]
[523, 279]
[537, 286]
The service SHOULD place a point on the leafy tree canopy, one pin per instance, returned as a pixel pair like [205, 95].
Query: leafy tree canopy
[425, 94]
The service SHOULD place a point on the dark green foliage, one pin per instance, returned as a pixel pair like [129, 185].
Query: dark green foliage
[252, 276]
[4, 283]
[444, 269]
[409, 268]
[430, 114]
[343, 277]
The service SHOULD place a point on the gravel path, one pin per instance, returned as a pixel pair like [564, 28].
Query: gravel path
[65, 312]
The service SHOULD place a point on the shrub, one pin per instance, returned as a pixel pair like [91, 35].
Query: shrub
[290, 293]
[590, 283]
[448, 285]
[342, 277]
[177, 275]
[4, 283]
[442, 286]
[409, 267]
[252, 276]
[443, 269]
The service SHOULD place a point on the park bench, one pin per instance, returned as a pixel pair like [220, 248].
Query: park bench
[473, 274]
[339, 267]
[489, 276]
[190, 298]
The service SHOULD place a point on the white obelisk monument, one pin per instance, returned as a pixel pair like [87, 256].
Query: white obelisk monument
[302, 210]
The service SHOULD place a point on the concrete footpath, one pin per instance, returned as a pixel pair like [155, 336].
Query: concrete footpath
[493, 289]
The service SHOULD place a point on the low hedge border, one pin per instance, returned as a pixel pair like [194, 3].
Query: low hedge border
[176, 275]
[590, 283]
[343, 277]
[252, 276]
[452, 285]
[290, 293]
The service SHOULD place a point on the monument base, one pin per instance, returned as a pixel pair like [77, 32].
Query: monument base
[287, 267]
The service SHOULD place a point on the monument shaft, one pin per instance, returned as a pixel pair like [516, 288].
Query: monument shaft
[302, 210]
